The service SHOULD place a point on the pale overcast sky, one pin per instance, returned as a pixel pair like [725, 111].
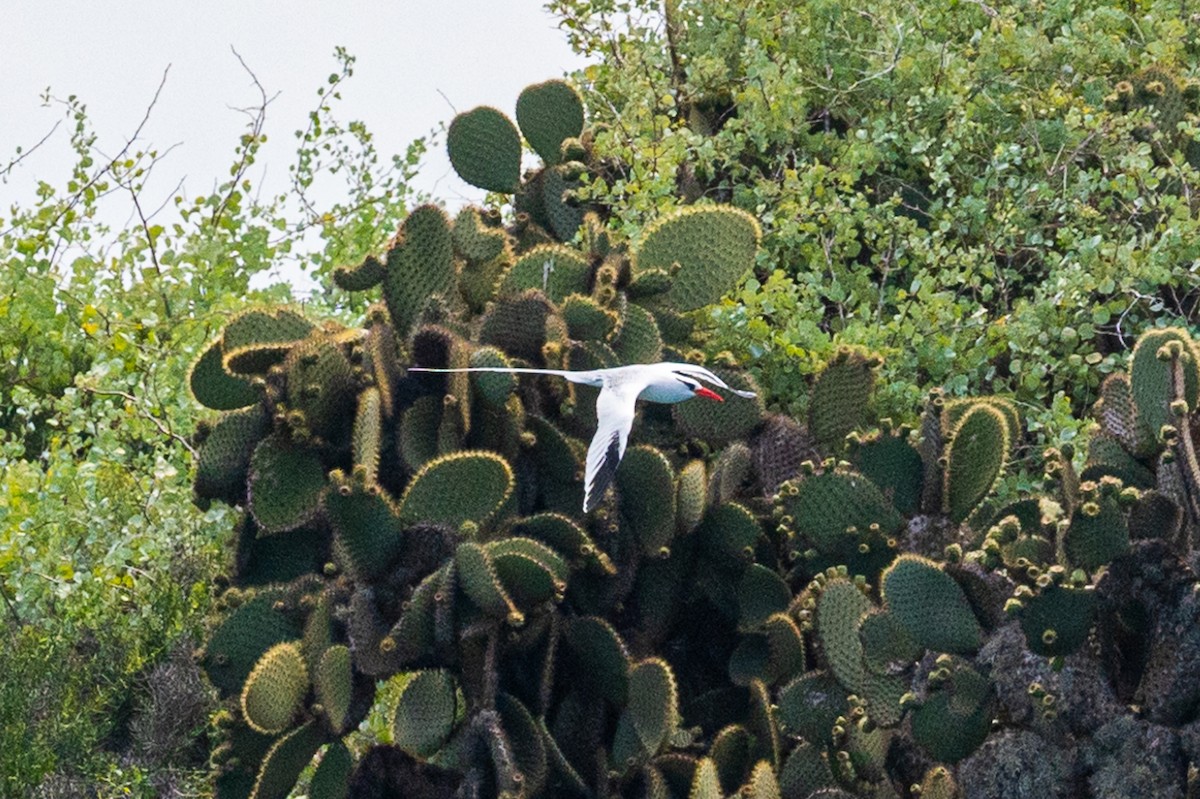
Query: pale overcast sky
[410, 53]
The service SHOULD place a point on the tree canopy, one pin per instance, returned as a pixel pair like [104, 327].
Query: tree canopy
[994, 196]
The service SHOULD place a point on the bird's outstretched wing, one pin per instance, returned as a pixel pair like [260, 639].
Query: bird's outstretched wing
[615, 411]
[587, 378]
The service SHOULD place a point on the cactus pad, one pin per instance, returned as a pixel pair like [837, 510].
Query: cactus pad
[600, 658]
[692, 495]
[420, 264]
[1118, 415]
[1106, 455]
[418, 434]
[780, 448]
[366, 275]
[955, 409]
[729, 534]
[762, 784]
[586, 319]
[785, 645]
[761, 593]
[564, 535]
[518, 324]
[549, 113]
[895, 467]
[930, 605]
[552, 269]
[730, 750]
[285, 760]
[235, 647]
[275, 689]
[839, 398]
[256, 339]
[480, 582]
[1154, 516]
[527, 741]
[332, 777]
[805, 772]
[213, 387]
[367, 530]
[1097, 534]
[414, 633]
[286, 482]
[886, 643]
[456, 488]
[1151, 376]
[706, 784]
[977, 451]
[332, 680]
[826, 506]
[840, 608]
[475, 240]
[530, 571]
[809, 705]
[424, 714]
[485, 149]
[956, 717]
[730, 473]
[638, 340]
[368, 433]
[223, 464]
[561, 212]
[653, 704]
[320, 385]
[558, 462]
[646, 486]
[1057, 619]
[494, 387]
[714, 247]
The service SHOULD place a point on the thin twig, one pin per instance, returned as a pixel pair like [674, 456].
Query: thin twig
[11, 165]
[991, 12]
[95, 178]
[258, 117]
[153, 252]
[73, 200]
[442, 94]
[162, 427]
[11, 610]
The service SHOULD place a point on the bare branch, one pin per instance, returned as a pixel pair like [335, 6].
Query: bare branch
[7, 169]
[447, 99]
[153, 252]
[73, 201]
[258, 117]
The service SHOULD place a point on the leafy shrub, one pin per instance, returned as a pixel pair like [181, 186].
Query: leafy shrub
[104, 563]
[988, 194]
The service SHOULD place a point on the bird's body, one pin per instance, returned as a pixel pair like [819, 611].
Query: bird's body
[620, 388]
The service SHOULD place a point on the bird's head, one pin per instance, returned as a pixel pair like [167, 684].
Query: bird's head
[695, 376]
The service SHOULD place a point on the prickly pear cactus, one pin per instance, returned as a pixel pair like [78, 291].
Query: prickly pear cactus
[1159, 101]
[759, 606]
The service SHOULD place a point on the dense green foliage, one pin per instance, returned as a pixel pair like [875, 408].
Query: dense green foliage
[105, 563]
[964, 190]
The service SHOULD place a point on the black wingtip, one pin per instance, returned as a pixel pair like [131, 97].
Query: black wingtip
[604, 475]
